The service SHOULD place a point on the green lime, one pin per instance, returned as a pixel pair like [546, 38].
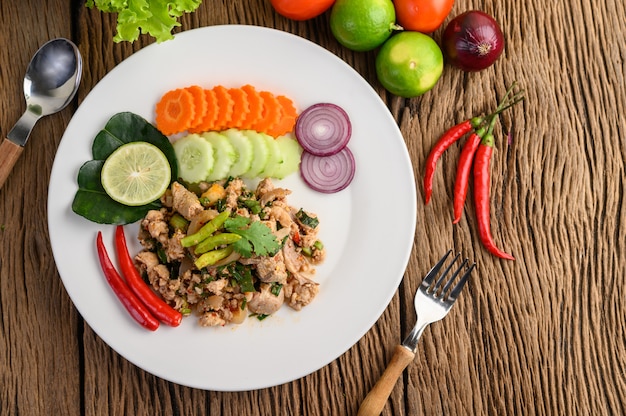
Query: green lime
[362, 25]
[409, 64]
[136, 173]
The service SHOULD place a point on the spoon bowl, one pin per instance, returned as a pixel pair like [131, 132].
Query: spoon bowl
[51, 81]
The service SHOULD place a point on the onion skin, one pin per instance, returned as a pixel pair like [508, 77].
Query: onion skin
[472, 41]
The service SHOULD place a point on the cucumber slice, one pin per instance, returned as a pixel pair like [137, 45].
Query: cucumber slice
[195, 158]
[275, 160]
[224, 155]
[260, 154]
[291, 151]
[243, 150]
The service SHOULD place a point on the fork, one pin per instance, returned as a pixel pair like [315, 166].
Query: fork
[432, 303]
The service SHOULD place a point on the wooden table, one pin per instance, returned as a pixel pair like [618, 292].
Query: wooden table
[545, 334]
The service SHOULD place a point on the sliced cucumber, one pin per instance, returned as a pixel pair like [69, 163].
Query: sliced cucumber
[291, 152]
[275, 159]
[224, 155]
[243, 150]
[260, 154]
[195, 158]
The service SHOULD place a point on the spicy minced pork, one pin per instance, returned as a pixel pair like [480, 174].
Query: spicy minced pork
[244, 283]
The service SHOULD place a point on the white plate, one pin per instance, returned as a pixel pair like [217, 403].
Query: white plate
[367, 228]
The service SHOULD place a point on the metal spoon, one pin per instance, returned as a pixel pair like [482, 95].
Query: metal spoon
[51, 81]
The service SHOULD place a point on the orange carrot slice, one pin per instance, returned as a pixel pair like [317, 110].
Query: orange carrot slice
[255, 107]
[174, 111]
[210, 116]
[288, 117]
[225, 104]
[240, 107]
[271, 112]
[200, 104]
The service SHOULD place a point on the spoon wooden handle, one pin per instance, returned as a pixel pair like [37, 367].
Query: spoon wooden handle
[375, 400]
[9, 153]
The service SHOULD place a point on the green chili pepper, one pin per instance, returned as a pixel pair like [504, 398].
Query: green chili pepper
[216, 240]
[212, 257]
[206, 230]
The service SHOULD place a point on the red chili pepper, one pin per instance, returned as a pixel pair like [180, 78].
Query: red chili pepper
[481, 198]
[446, 140]
[161, 310]
[463, 173]
[132, 304]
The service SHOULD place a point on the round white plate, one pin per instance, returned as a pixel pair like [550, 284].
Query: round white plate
[367, 228]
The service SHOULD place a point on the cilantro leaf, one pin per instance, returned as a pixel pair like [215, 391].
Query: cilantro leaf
[257, 238]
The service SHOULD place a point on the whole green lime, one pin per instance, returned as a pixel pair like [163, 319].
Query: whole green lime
[409, 64]
[362, 25]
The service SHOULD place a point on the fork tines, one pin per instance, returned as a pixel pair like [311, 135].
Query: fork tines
[456, 290]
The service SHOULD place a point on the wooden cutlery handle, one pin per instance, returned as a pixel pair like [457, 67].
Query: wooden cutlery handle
[9, 153]
[375, 400]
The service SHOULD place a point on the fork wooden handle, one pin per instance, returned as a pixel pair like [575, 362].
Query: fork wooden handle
[375, 400]
[9, 153]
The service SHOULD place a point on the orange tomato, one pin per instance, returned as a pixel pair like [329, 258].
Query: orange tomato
[301, 9]
[422, 15]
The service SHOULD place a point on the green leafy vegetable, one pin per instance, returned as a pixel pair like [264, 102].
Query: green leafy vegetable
[243, 276]
[257, 237]
[156, 18]
[91, 201]
[307, 220]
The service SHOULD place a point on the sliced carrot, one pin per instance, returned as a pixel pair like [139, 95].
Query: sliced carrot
[200, 104]
[210, 116]
[255, 107]
[271, 113]
[240, 107]
[225, 104]
[174, 111]
[288, 117]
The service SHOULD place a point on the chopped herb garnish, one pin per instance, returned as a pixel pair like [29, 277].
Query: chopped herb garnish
[257, 237]
[276, 288]
[161, 255]
[307, 220]
[220, 205]
[253, 205]
[242, 275]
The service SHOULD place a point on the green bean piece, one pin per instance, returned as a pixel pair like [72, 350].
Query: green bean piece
[216, 240]
[178, 222]
[212, 257]
[206, 230]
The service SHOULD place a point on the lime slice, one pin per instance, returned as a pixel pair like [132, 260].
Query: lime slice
[136, 173]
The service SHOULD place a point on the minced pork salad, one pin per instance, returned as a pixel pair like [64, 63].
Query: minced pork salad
[226, 252]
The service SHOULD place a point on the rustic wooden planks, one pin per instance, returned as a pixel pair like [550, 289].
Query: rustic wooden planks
[542, 335]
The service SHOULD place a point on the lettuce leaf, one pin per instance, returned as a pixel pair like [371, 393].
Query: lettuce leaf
[156, 18]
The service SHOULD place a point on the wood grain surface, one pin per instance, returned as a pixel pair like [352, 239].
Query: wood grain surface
[545, 334]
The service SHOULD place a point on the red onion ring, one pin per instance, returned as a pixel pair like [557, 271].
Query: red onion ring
[328, 174]
[323, 129]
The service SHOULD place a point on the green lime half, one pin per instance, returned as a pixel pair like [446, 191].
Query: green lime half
[136, 173]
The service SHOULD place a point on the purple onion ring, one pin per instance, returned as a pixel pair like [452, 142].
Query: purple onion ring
[323, 129]
[328, 174]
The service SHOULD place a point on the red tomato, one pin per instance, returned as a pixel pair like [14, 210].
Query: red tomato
[422, 15]
[301, 9]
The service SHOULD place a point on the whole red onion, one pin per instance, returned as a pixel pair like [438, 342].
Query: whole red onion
[473, 41]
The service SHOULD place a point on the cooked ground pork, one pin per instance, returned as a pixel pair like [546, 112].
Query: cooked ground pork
[237, 286]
